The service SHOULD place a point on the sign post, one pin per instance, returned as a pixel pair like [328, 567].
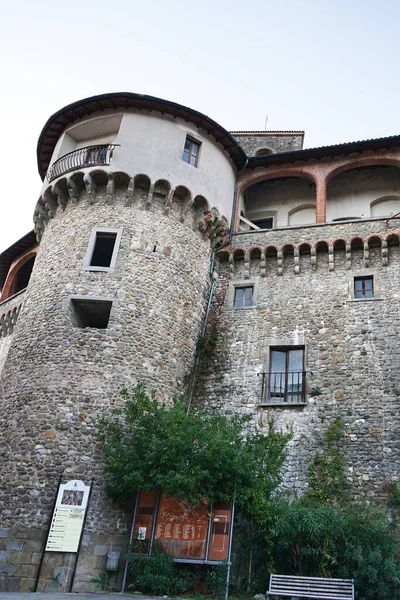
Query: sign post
[67, 521]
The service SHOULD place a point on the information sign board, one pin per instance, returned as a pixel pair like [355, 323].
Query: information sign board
[68, 517]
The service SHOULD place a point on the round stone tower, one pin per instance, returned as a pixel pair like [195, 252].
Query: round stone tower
[135, 196]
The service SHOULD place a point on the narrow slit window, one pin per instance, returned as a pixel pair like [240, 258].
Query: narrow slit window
[191, 151]
[244, 296]
[364, 287]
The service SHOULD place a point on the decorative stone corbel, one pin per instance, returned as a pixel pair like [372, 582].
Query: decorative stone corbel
[385, 253]
[73, 190]
[168, 202]
[263, 263]
[296, 261]
[149, 199]
[185, 209]
[247, 266]
[279, 257]
[90, 187]
[231, 266]
[348, 257]
[61, 196]
[129, 193]
[110, 190]
[50, 204]
[331, 259]
[366, 255]
[313, 257]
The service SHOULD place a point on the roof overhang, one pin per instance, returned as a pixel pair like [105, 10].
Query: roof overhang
[324, 152]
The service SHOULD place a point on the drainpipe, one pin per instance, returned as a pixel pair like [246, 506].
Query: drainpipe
[235, 199]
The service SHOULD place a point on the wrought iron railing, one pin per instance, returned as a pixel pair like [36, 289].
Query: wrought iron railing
[90, 156]
[283, 388]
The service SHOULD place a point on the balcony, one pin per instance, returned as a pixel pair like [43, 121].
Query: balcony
[90, 156]
[283, 388]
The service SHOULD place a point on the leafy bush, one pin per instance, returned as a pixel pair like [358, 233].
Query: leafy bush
[196, 457]
[326, 476]
[159, 575]
[356, 542]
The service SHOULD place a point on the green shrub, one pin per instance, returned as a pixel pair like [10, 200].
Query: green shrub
[355, 542]
[199, 456]
[159, 575]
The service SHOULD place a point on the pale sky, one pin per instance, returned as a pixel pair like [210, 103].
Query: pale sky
[329, 67]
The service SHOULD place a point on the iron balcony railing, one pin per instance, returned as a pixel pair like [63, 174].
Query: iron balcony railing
[283, 388]
[84, 157]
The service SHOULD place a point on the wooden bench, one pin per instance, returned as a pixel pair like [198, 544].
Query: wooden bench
[316, 588]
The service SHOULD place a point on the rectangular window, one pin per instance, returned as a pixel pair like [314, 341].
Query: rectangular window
[191, 151]
[244, 296]
[102, 249]
[91, 312]
[265, 223]
[286, 377]
[364, 287]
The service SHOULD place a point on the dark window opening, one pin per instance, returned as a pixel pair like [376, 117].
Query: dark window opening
[24, 274]
[191, 151]
[364, 287]
[91, 313]
[286, 379]
[103, 249]
[265, 223]
[244, 296]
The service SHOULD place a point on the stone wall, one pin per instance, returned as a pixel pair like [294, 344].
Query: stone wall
[58, 378]
[351, 346]
[276, 142]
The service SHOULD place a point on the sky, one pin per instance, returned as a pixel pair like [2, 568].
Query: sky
[329, 67]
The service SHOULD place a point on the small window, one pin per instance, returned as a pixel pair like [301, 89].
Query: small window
[244, 296]
[265, 223]
[364, 287]
[102, 250]
[191, 151]
[286, 376]
[89, 312]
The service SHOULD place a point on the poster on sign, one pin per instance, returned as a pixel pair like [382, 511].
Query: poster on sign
[68, 517]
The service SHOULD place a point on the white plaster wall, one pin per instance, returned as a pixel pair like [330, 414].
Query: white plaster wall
[153, 144]
[303, 216]
[351, 194]
[279, 198]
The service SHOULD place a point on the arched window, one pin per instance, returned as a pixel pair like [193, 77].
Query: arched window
[385, 207]
[263, 152]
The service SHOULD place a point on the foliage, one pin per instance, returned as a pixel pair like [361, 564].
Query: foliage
[394, 494]
[196, 456]
[159, 575]
[326, 477]
[216, 580]
[321, 540]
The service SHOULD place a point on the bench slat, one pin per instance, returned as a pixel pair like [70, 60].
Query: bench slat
[317, 588]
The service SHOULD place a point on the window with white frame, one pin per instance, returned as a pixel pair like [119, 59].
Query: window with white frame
[191, 151]
[102, 251]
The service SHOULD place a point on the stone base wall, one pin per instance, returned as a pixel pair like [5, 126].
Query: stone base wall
[21, 552]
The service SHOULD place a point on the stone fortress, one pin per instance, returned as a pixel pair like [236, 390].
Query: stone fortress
[154, 225]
